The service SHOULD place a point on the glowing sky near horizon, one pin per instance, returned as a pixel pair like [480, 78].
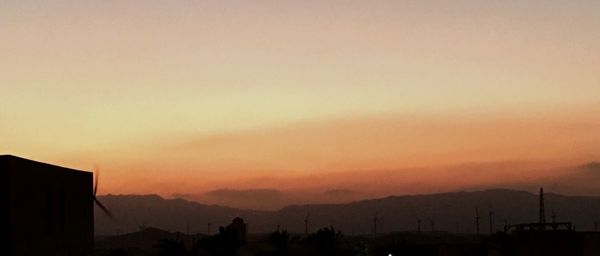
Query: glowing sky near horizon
[179, 91]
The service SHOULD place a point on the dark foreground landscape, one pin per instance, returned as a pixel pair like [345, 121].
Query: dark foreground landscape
[492, 222]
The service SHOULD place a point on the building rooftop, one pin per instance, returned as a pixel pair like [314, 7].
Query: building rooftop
[16, 159]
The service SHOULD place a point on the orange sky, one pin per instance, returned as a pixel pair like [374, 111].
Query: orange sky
[186, 96]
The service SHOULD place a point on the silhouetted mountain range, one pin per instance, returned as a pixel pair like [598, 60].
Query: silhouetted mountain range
[274, 194]
[575, 180]
[270, 199]
[452, 212]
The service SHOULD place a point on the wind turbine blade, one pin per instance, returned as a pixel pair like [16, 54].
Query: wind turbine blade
[96, 181]
[103, 208]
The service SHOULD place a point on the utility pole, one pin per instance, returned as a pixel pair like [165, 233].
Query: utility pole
[542, 220]
[477, 220]
[491, 222]
[306, 224]
[375, 225]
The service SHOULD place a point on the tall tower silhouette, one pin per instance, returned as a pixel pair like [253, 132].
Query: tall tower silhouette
[491, 222]
[477, 220]
[375, 223]
[542, 220]
[306, 224]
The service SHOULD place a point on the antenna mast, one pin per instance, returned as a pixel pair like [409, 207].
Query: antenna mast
[477, 220]
[306, 224]
[491, 222]
[375, 224]
[542, 210]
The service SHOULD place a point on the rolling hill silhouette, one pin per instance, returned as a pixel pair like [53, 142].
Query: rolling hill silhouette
[271, 199]
[346, 187]
[451, 212]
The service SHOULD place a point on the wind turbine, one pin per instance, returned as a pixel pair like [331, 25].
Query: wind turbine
[96, 201]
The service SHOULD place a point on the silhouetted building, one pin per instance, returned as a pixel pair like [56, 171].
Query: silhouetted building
[549, 239]
[45, 209]
[531, 242]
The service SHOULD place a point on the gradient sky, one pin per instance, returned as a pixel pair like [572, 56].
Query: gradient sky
[184, 96]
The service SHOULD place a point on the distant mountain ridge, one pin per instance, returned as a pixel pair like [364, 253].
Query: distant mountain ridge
[270, 199]
[451, 212]
[575, 179]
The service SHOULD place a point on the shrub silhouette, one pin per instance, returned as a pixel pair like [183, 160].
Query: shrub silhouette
[325, 241]
[281, 240]
[226, 243]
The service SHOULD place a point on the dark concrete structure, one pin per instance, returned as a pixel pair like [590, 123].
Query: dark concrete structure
[45, 209]
[551, 243]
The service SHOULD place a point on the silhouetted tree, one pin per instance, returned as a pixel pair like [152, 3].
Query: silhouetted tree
[280, 239]
[325, 241]
[226, 243]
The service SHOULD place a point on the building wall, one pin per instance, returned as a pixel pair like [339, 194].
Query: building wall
[50, 209]
[591, 244]
[4, 243]
[548, 243]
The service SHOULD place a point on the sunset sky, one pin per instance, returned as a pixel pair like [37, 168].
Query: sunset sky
[189, 96]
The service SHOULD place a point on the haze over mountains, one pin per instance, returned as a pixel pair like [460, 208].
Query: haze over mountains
[271, 199]
[352, 210]
[452, 212]
[274, 193]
